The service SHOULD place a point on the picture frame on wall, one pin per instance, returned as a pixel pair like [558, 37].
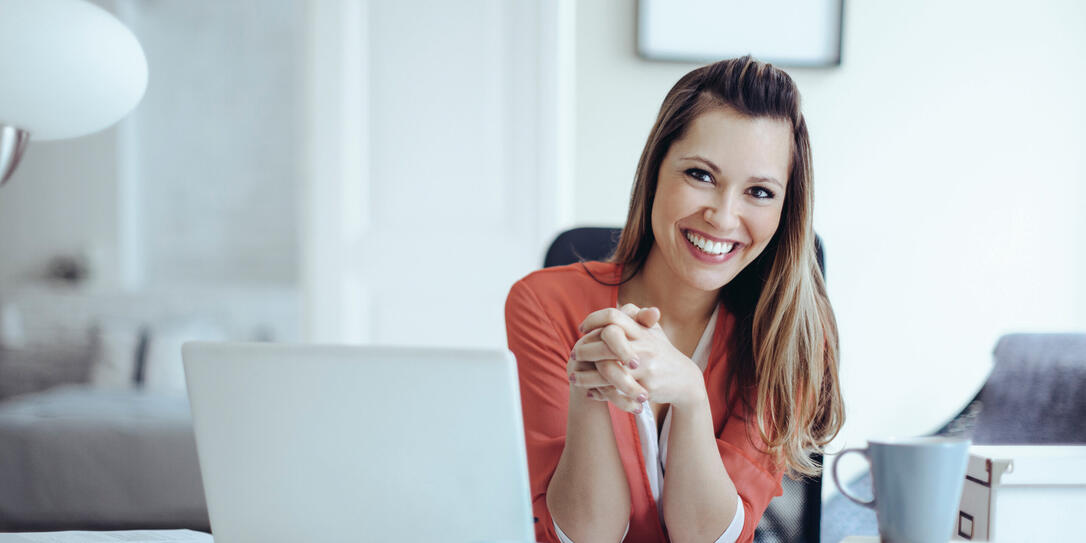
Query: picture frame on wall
[782, 32]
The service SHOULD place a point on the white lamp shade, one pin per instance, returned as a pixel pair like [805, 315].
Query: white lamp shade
[67, 68]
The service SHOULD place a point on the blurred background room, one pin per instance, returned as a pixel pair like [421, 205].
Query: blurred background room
[382, 171]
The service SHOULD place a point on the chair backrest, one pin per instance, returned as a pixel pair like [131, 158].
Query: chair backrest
[586, 243]
[794, 516]
[589, 243]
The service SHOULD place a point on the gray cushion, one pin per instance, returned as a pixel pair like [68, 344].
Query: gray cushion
[42, 365]
[1035, 392]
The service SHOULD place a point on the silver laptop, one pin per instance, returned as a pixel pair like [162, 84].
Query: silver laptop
[320, 443]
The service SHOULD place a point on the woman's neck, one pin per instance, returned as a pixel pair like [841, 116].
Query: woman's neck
[655, 285]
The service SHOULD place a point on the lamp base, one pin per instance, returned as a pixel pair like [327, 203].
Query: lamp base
[12, 144]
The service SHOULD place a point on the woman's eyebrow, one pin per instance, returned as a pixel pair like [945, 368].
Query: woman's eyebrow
[716, 170]
[705, 161]
[769, 180]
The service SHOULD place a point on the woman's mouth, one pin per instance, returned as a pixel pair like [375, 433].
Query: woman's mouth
[709, 250]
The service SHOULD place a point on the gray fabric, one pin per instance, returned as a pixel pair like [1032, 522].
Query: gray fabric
[1035, 393]
[782, 521]
[37, 367]
[842, 518]
[76, 456]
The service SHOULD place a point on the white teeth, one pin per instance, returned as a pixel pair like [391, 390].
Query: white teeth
[713, 248]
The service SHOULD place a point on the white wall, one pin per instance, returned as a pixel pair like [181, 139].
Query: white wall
[200, 184]
[949, 174]
[62, 200]
[433, 160]
[217, 142]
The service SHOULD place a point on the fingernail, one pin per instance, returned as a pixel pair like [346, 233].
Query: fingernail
[638, 410]
[632, 364]
[572, 378]
[591, 394]
[641, 398]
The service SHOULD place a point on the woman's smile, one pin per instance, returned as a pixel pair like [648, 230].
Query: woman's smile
[710, 249]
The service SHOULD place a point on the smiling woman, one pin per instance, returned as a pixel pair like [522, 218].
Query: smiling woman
[712, 314]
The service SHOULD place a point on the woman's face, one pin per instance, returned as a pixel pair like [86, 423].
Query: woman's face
[719, 196]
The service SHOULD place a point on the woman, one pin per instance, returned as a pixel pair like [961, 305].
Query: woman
[666, 392]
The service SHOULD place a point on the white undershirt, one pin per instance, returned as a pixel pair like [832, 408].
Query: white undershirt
[654, 448]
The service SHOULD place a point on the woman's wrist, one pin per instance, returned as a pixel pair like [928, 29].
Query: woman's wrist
[694, 392]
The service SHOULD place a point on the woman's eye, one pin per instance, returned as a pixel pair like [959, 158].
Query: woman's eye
[700, 175]
[761, 193]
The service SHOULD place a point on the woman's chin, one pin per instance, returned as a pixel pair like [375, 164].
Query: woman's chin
[708, 282]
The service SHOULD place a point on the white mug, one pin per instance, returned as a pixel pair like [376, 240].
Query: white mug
[917, 485]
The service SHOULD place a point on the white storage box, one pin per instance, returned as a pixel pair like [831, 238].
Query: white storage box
[1016, 493]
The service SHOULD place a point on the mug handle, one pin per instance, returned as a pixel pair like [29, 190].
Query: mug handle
[870, 503]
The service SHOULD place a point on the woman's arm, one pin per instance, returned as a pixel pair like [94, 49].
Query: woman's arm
[699, 499]
[578, 482]
[589, 497]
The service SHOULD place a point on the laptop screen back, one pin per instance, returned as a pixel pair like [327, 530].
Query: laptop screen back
[335, 443]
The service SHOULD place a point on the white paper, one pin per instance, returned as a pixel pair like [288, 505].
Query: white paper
[130, 536]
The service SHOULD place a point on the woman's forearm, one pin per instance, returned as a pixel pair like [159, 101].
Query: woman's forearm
[699, 498]
[588, 496]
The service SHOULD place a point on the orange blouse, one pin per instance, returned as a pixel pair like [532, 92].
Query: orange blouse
[542, 316]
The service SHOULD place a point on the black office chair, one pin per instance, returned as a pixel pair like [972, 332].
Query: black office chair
[598, 243]
[795, 516]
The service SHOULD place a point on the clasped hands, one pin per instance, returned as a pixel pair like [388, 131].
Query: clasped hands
[625, 358]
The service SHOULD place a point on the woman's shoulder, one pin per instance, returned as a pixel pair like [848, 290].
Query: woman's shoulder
[581, 275]
[574, 286]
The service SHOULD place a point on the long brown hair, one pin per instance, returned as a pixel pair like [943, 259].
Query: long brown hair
[784, 346]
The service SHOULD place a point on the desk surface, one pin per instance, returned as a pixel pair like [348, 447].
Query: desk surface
[127, 536]
[864, 539]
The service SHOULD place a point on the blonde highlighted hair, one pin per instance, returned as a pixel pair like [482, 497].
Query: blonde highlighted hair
[784, 347]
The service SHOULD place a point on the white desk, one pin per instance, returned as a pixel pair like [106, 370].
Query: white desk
[864, 539]
[127, 536]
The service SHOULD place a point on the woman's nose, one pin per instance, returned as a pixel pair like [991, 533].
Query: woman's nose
[724, 213]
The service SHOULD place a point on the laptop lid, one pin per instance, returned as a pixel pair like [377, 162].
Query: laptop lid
[336, 443]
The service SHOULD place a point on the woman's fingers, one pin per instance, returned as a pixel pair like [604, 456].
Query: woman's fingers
[599, 393]
[616, 341]
[617, 376]
[607, 373]
[647, 317]
[588, 379]
[591, 348]
[611, 315]
[620, 400]
[630, 310]
[615, 328]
